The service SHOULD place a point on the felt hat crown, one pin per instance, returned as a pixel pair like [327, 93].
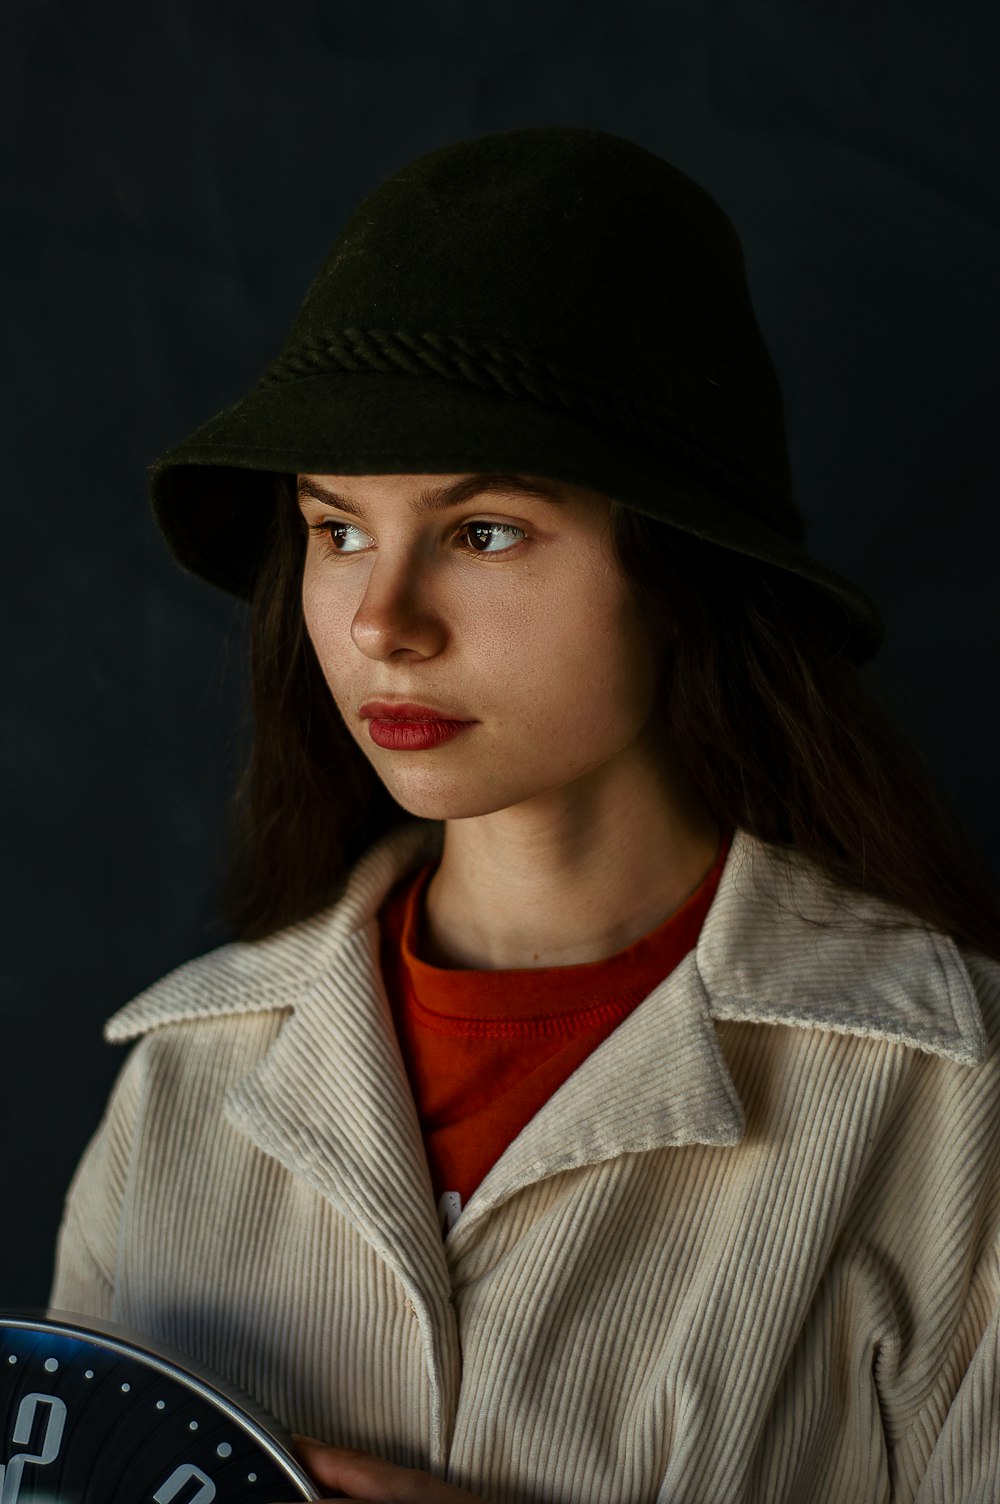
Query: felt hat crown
[553, 301]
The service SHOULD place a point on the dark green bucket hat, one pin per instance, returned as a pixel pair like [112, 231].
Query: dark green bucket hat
[551, 301]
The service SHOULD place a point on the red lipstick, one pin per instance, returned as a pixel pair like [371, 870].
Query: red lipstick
[402, 726]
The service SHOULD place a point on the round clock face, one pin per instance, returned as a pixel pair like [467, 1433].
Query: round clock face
[91, 1413]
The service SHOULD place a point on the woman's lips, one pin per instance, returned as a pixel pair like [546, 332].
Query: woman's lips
[414, 736]
[402, 726]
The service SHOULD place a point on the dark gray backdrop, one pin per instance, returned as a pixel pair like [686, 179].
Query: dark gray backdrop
[175, 172]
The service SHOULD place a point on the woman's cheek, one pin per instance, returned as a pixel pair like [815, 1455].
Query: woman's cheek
[327, 623]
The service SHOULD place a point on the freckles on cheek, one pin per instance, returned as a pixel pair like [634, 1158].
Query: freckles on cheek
[322, 608]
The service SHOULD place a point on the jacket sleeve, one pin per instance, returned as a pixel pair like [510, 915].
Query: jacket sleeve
[964, 1465]
[950, 1450]
[86, 1256]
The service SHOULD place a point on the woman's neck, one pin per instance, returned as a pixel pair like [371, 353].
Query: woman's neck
[573, 876]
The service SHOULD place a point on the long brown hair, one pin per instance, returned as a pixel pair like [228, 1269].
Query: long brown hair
[771, 723]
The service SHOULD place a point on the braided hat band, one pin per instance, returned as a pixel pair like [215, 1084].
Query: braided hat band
[552, 301]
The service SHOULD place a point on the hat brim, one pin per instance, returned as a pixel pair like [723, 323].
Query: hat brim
[213, 493]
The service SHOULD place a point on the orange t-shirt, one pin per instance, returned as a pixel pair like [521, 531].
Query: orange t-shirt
[484, 1050]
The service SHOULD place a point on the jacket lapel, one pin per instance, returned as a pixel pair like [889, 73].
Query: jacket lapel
[659, 1079]
[330, 1100]
[331, 1103]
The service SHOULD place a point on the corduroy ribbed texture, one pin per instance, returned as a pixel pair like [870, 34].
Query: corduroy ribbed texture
[749, 1251]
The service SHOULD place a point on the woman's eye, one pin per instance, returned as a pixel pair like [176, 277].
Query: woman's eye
[325, 531]
[476, 530]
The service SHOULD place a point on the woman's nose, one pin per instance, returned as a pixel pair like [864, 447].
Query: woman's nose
[397, 613]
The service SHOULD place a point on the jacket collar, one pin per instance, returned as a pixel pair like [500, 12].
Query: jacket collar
[759, 956]
[330, 1100]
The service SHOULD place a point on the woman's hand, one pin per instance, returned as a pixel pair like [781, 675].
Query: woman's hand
[350, 1474]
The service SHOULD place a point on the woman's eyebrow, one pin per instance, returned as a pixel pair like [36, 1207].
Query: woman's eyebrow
[437, 498]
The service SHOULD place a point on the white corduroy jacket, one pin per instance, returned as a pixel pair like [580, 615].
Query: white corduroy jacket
[748, 1253]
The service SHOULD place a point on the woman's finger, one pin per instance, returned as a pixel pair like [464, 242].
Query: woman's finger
[371, 1480]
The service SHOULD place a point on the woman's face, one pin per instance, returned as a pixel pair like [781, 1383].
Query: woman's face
[502, 608]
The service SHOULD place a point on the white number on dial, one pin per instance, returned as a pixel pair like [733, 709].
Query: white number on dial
[186, 1473]
[55, 1421]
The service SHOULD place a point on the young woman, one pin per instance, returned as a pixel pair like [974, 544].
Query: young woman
[601, 1098]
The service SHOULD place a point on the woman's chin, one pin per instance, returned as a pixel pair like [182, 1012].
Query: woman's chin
[445, 804]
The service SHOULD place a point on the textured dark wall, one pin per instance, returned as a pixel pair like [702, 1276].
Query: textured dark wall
[174, 173]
